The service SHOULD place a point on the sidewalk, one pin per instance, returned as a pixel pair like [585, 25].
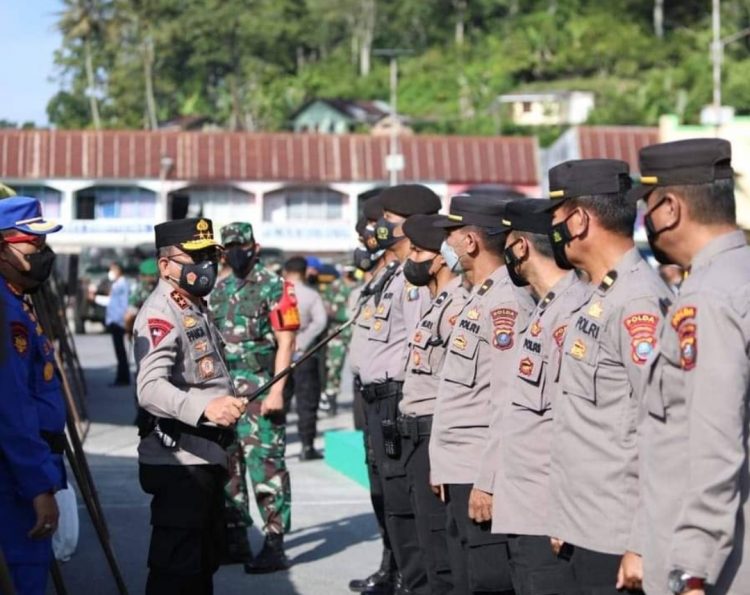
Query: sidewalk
[334, 536]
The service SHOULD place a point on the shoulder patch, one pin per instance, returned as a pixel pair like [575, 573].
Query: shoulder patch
[19, 337]
[179, 299]
[642, 330]
[158, 329]
[683, 321]
[504, 321]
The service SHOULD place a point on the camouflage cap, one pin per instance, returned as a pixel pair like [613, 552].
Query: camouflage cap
[238, 232]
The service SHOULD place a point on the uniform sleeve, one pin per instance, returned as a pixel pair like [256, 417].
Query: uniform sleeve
[714, 348]
[156, 347]
[25, 453]
[318, 323]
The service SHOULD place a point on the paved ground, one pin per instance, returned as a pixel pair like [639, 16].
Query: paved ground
[334, 536]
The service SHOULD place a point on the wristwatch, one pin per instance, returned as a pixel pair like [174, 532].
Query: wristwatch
[680, 581]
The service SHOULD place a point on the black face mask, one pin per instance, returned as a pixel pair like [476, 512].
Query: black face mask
[418, 273]
[511, 263]
[370, 241]
[652, 234]
[560, 237]
[384, 234]
[363, 259]
[41, 264]
[198, 279]
[240, 260]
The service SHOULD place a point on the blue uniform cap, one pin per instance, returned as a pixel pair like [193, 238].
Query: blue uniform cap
[314, 262]
[25, 214]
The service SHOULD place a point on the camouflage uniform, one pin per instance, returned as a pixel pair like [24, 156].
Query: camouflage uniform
[336, 298]
[241, 310]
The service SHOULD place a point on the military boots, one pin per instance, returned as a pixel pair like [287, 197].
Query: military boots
[271, 558]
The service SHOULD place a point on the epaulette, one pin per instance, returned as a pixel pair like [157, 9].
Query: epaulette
[440, 299]
[390, 270]
[485, 287]
[546, 300]
[608, 281]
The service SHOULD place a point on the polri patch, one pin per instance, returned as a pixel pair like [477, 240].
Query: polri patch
[642, 330]
[504, 320]
[158, 329]
[19, 337]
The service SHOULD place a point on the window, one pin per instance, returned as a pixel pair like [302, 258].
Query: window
[115, 202]
[298, 204]
[526, 107]
[221, 203]
[50, 198]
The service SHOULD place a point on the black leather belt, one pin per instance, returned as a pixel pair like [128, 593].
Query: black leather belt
[413, 427]
[381, 390]
[55, 440]
[173, 428]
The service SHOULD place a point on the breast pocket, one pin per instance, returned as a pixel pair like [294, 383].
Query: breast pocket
[420, 352]
[204, 361]
[381, 324]
[462, 369]
[531, 372]
[579, 369]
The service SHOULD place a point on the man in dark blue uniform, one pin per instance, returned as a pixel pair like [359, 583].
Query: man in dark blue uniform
[32, 409]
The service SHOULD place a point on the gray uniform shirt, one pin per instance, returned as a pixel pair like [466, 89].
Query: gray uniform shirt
[180, 368]
[395, 315]
[313, 318]
[426, 350]
[594, 474]
[480, 350]
[522, 457]
[696, 475]
[363, 322]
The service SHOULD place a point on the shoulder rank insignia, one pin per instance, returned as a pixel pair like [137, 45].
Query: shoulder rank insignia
[440, 299]
[546, 300]
[20, 337]
[485, 287]
[179, 299]
[158, 329]
[608, 281]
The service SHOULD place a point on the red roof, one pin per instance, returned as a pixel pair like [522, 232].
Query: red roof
[615, 142]
[224, 156]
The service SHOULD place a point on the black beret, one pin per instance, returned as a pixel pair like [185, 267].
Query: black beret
[373, 208]
[360, 226]
[683, 162]
[188, 234]
[586, 177]
[423, 233]
[524, 215]
[484, 211]
[410, 199]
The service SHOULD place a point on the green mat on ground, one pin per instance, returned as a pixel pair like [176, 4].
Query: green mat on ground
[345, 452]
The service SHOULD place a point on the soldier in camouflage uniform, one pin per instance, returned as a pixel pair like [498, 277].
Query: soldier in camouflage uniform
[336, 299]
[148, 273]
[243, 305]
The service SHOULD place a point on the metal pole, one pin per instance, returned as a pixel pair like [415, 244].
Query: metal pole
[717, 50]
[394, 115]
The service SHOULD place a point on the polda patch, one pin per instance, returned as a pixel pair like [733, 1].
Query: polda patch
[504, 321]
[642, 330]
[158, 329]
[683, 321]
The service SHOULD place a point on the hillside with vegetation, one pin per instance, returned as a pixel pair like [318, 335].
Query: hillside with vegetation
[249, 64]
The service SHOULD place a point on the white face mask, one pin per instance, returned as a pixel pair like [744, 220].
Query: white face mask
[112, 276]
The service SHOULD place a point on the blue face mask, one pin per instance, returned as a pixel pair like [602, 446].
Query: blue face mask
[451, 257]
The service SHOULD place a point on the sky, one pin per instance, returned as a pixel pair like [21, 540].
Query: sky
[28, 39]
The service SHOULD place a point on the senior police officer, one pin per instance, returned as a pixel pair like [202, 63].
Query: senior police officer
[594, 474]
[521, 438]
[425, 353]
[32, 409]
[477, 367]
[696, 475]
[183, 382]
[257, 316]
[397, 309]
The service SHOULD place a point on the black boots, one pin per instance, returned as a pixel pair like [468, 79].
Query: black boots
[381, 582]
[271, 558]
[309, 454]
[237, 547]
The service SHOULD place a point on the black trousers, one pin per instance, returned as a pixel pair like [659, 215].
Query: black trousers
[479, 557]
[118, 341]
[429, 517]
[595, 572]
[304, 384]
[536, 570]
[187, 519]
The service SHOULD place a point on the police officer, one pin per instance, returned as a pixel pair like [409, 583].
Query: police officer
[521, 438]
[257, 316]
[397, 309]
[476, 371]
[183, 382]
[32, 409]
[425, 353]
[695, 452]
[610, 337]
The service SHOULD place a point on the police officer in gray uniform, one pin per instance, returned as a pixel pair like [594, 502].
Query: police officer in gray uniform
[594, 475]
[696, 475]
[184, 386]
[397, 309]
[521, 438]
[476, 372]
[426, 267]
